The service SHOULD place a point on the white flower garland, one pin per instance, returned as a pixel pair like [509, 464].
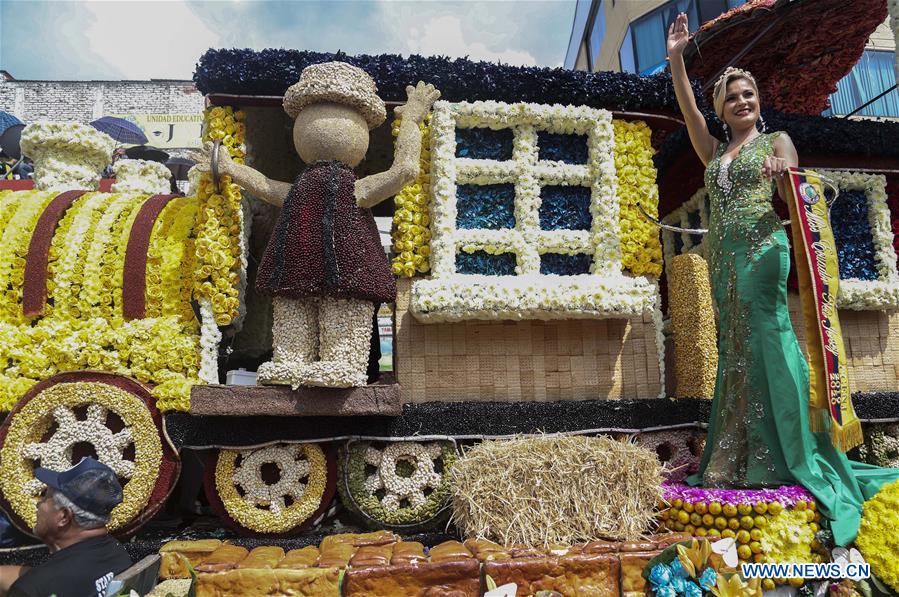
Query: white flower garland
[397, 488]
[66, 155]
[141, 176]
[680, 217]
[884, 292]
[605, 292]
[210, 337]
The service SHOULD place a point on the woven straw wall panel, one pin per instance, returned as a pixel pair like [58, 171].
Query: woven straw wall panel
[872, 346]
[523, 361]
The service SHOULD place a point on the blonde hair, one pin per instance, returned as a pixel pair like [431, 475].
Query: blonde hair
[720, 92]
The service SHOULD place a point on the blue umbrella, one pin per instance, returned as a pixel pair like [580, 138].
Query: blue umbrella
[7, 120]
[121, 130]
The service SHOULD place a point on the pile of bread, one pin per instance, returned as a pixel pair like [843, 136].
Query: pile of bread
[380, 564]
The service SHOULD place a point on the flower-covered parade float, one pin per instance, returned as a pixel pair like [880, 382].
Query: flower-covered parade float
[554, 352]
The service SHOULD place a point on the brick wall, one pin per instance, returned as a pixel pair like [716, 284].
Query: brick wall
[84, 101]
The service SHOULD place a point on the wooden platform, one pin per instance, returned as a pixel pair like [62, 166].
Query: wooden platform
[248, 401]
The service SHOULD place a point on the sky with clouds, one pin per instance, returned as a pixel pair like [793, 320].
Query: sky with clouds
[111, 40]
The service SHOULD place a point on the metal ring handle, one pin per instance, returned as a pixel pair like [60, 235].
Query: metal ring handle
[215, 165]
[669, 227]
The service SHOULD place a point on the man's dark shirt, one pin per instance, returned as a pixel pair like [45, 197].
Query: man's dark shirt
[80, 570]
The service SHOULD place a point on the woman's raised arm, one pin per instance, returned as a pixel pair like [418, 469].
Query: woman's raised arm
[703, 142]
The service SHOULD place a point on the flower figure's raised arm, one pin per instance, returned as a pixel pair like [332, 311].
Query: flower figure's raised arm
[373, 189]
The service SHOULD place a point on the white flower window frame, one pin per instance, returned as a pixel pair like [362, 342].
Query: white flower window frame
[603, 293]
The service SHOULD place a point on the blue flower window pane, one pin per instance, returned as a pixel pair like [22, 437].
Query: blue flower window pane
[490, 206]
[695, 222]
[565, 208]
[571, 149]
[565, 265]
[484, 263]
[855, 248]
[484, 144]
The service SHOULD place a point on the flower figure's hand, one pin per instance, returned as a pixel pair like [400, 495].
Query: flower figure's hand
[203, 159]
[678, 35]
[421, 98]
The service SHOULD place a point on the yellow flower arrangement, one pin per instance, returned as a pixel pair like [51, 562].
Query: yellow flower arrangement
[14, 245]
[277, 517]
[83, 325]
[641, 251]
[788, 536]
[411, 220]
[25, 443]
[877, 539]
[220, 265]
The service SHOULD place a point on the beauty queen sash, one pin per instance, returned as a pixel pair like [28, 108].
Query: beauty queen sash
[814, 249]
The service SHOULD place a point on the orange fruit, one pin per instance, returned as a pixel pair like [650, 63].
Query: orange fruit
[746, 522]
[715, 508]
[729, 510]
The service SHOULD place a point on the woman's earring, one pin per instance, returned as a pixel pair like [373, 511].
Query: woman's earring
[726, 132]
[762, 123]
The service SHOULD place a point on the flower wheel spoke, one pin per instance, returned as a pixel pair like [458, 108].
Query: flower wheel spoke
[266, 505]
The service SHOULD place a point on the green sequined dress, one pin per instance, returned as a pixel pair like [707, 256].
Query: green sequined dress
[758, 431]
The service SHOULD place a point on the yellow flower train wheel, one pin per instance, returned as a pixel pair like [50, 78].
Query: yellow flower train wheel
[76, 414]
[276, 490]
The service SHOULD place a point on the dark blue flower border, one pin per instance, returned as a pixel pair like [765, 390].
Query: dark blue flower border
[272, 71]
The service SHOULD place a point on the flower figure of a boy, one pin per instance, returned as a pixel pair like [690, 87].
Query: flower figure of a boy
[324, 265]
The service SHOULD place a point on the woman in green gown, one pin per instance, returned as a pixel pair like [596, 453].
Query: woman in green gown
[759, 433]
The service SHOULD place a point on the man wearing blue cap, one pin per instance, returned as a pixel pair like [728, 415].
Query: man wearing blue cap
[71, 519]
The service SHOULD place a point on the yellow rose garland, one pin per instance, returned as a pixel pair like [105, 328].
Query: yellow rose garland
[58, 246]
[641, 252]
[71, 281]
[411, 220]
[31, 423]
[263, 520]
[220, 263]
[877, 539]
[13, 250]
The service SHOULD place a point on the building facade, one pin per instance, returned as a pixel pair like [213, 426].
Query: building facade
[167, 110]
[629, 36]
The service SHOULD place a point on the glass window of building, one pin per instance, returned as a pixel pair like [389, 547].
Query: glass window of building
[643, 50]
[872, 75]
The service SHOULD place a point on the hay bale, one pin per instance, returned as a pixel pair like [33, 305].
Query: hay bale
[541, 490]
